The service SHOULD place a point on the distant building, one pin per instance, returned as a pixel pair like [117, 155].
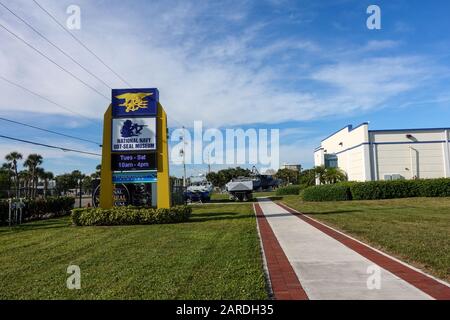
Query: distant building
[296, 167]
[367, 155]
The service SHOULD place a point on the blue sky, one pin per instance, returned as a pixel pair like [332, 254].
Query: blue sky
[307, 68]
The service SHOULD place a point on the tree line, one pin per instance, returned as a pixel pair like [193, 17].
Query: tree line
[286, 176]
[24, 183]
[308, 177]
[221, 178]
[26, 180]
[70, 181]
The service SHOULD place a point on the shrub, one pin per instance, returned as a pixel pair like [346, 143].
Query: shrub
[375, 190]
[129, 216]
[38, 209]
[401, 189]
[327, 192]
[292, 189]
[434, 187]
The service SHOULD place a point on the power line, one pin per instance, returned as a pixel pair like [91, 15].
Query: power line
[55, 46]
[45, 98]
[50, 146]
[81, 43]
[67, 55]
[90, 51]
[52, 61]
[49, 131]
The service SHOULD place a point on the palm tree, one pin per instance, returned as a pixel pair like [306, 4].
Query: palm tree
[96, 174]
[24, 179]
[334, 175]
[7, 169]
[32, 162]
[12, 158]
[320, 173]
[47, 176]
[29, 178]
[40, 173]
[78, 177]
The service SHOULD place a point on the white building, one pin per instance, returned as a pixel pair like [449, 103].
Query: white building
[367, 155]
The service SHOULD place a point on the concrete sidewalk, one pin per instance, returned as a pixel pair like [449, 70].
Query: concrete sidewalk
[326, 268]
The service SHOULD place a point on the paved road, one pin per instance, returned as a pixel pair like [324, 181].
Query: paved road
[326, 268]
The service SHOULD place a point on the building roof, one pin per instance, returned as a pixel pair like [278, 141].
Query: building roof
[409, 129]
[349, 127]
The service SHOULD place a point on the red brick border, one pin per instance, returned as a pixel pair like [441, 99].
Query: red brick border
[285, 284]
[430, 286]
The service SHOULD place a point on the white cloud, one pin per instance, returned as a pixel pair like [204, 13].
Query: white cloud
[376, 45]
[295, 132]
[206, 59]
[371, 82]
[300, 152]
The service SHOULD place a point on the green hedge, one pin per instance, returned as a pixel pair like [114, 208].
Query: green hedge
[39, 209]
[434, 188]
[373, 190]
[292, 189]
[327, 192]
[129, 216]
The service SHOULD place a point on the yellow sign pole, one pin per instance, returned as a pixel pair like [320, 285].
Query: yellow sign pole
[162, 145]
[106, 185]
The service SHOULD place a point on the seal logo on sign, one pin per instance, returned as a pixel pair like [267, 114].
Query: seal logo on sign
[134, 101]
[130, 129]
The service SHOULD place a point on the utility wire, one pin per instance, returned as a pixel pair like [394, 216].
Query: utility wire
[68, 55]
[45, 98]
[52, 61]
[55, 46]
[49, 131]
[81, 43]
[91, 52]
[50, 146]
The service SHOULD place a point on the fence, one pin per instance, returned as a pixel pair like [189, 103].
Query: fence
[177, 190]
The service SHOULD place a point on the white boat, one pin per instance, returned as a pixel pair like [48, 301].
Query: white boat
[199, 188]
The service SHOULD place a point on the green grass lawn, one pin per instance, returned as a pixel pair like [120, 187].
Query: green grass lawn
[416, 230]
[216, 255]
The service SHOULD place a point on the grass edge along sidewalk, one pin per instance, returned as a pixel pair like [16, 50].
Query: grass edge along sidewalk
[283, 281]
[414, 230]
[435, 288]
[215, 255]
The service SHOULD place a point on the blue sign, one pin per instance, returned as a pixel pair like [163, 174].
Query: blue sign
[134, 102]
[135, 177]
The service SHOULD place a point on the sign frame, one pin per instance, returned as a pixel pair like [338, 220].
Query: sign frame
[163, 194]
